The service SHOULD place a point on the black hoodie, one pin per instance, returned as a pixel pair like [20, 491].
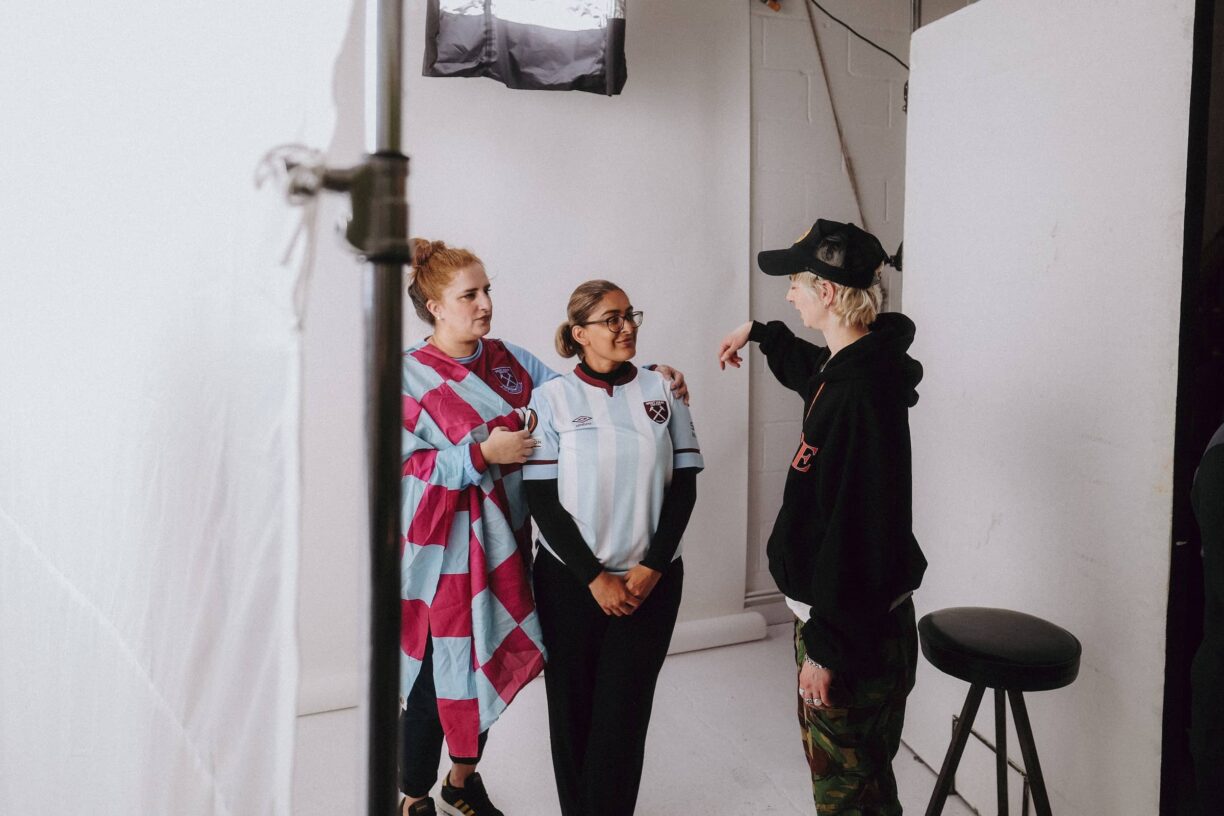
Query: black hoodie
[843, 540]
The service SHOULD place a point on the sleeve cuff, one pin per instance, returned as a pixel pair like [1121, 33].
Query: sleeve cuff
[478, 460]
[688, 459]
[817, 650]
[587, 571]
[540, 469]
[769, 335]
[654, 565]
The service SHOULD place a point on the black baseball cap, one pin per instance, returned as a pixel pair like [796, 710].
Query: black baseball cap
[864, 254]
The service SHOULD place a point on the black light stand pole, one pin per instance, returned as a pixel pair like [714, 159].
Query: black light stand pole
[388, 252]
[383, 346]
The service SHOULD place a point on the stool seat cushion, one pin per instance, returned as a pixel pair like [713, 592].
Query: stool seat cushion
[999, 648]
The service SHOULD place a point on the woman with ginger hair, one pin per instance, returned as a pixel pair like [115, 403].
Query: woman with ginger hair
[471, 638]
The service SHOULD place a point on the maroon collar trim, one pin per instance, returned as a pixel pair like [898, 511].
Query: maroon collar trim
[625, 374]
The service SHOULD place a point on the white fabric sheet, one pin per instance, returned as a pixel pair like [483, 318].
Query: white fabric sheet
[149, 367]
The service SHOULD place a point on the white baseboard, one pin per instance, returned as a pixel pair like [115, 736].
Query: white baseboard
[708, 633]
[771, 605]
[336, 692]
[333, 692]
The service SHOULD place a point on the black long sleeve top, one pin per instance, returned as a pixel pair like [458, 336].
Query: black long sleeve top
[1207, 496]
[843, 541]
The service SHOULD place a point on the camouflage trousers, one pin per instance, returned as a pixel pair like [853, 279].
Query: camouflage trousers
[850, 749]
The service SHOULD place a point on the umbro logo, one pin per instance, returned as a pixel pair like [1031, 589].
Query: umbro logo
[582, 420]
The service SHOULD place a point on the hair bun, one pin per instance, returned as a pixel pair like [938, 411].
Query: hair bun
[564, 341]
[423, 249]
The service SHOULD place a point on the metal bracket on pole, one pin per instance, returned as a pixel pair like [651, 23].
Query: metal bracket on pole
[377, 189]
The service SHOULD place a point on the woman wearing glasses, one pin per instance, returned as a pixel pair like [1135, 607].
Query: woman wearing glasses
[470, 633]
[611, 487]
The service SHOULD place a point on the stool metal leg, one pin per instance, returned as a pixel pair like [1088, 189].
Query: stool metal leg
[1001, 748]
[1024, 732]
[952, 759]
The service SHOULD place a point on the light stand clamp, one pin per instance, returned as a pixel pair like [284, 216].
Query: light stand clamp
[377, 189]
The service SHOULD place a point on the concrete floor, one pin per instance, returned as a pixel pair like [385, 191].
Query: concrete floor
[723, 741]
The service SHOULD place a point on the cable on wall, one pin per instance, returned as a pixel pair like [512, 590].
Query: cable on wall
[841, 139]
[915, 22]
[847, 26]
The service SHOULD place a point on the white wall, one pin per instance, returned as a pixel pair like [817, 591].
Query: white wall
[1213, 207]
[799, 175]
[1045, 195]
[148, 402]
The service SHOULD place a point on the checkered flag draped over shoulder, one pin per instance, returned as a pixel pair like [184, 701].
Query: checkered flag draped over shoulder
[463, 575]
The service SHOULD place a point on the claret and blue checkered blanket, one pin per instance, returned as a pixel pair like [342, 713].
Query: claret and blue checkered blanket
[464, 543]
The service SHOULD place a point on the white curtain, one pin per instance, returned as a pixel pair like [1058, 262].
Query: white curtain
[149, 401]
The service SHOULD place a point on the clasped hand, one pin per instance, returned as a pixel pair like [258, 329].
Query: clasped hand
[505, 447]
[621, 595]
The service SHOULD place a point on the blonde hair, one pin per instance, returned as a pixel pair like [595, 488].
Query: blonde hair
[852, 306]
[582, 304]
[434, 265]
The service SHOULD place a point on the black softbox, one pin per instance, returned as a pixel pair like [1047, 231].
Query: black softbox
[550, 45]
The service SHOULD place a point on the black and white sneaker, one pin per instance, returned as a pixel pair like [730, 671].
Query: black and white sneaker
[470, 800]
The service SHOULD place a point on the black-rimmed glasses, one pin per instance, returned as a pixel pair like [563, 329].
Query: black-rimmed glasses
[617, 322]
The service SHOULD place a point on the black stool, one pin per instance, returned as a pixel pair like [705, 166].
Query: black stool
[1009, 652]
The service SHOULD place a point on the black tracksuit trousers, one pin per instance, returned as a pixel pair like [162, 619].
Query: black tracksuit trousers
[421, 735]
[600, 681]
[1207, 723]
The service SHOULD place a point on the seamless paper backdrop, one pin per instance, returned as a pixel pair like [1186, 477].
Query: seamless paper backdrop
[149, 401]
[1043, 268]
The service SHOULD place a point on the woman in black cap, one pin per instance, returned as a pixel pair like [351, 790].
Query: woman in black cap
[842, 549]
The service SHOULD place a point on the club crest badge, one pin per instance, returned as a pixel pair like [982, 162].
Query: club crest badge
[509, 383]
[657, 410]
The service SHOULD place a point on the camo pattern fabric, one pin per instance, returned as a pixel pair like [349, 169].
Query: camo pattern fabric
[850, 748]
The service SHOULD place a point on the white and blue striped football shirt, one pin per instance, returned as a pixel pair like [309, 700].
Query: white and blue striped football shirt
[612, 455]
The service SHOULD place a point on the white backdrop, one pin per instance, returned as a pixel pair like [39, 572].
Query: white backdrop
[648, 189]
[149, 402]
[1044, 217]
